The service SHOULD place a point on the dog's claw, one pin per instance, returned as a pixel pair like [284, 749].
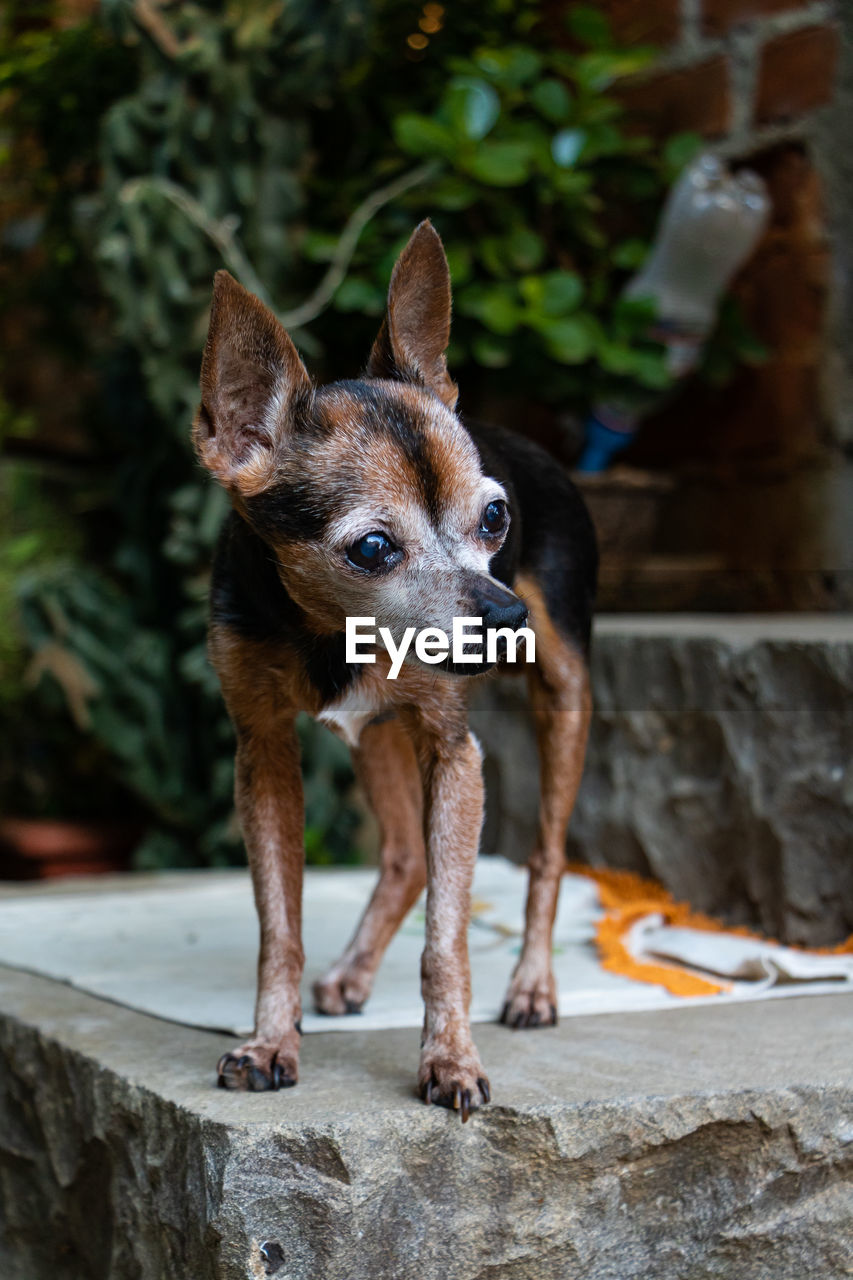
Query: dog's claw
[280, 1077]
[342, 995]
[528, 1010]
[250, 1076]
[259, 1082]
[455, 1097]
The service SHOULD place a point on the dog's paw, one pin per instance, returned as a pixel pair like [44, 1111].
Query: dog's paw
[257, 1068]
[453, 1080]
[531, 1001]
[341, 992]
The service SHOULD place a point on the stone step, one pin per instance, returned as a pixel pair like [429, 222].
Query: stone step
[680, 1145]
[720, 763]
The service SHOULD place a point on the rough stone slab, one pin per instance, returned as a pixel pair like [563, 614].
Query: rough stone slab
[682, 1145]
[720, 763]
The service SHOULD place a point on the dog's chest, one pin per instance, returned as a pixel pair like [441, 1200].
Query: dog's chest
[349, 714]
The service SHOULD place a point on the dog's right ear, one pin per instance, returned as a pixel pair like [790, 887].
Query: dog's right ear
[251, 375]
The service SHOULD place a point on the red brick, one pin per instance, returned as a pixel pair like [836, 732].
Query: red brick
[697, 98]
[719, 15]
[797, 73]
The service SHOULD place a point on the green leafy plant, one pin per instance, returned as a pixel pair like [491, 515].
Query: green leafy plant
[297, 145]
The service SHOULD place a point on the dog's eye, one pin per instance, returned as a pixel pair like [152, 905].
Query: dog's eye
[372, 551]
[495, 518]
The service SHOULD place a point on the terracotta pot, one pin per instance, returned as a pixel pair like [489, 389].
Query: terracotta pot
[39, 848]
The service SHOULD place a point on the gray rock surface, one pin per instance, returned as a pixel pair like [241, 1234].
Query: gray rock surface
[682, 1145]
[720, 763]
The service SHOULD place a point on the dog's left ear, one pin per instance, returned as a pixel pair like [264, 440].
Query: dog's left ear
[411, 344]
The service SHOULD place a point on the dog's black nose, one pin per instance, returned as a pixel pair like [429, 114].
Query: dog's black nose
[498, 607]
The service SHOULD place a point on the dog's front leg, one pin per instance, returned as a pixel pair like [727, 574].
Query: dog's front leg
[450, 1070]
[268, 792]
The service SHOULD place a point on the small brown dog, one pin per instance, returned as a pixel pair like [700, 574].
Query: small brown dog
[370, 499]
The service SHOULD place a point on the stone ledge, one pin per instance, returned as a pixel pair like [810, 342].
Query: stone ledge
[719, 764]
[684, 1145]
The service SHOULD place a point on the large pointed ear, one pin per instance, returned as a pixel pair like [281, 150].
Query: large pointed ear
[251, 375]
[416, 329]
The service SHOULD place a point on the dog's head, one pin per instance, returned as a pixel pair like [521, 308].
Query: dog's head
[370, 493]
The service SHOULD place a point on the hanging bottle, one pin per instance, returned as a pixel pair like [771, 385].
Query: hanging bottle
[711, 222]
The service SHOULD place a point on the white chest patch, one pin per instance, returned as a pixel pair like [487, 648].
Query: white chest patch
[349, 714]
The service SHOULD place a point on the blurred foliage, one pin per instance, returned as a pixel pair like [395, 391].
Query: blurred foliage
[152, 144]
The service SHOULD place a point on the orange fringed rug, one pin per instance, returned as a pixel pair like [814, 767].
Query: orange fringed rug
[627, 899]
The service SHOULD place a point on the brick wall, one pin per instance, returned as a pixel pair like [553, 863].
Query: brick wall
[757, 514]
[749, 75]
[733, 70]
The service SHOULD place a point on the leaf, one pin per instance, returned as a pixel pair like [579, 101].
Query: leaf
[650, 369]
[491, 352]
[496, 306]
[632, 317]
[494, 255]
[551, 99]
[616, 357]
[604, 139]
[568, 341]
[501, 164]
[562, 293]
[589, 26]
[500, 311]
[526, 249]
[459, 262]
[423, 136]
[512, 66]
[533, 291]
[646, 365]
[566, 146]
[452, 193]
[471, 107]
[597, 71]
[630, 254]
[360, 295]
[679, 150]
[319, 246]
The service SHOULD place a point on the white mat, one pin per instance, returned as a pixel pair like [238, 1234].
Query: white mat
[185, 948]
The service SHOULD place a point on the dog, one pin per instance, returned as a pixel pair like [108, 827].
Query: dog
[371, 499]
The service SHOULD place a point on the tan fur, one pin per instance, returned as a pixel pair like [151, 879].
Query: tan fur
[454, 812]
[387, 768]
[561, 702]
[262, 695]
